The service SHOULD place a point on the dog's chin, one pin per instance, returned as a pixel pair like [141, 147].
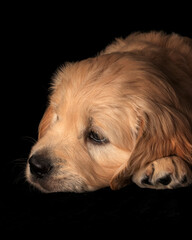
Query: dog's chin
[51, 184]
[39, 187]
[62, 185]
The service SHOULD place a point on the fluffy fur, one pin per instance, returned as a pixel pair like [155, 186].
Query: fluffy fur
[136, 96]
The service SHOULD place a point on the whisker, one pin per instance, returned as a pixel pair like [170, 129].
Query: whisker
[20, 178]
[20, 160]
[17, 167]
[30, 139]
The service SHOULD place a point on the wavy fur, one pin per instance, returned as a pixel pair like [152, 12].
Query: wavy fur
[137, 93]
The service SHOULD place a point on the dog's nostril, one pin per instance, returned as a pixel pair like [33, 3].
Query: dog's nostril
[39, 166]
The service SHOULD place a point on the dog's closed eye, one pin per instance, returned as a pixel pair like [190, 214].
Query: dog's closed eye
[96, 137]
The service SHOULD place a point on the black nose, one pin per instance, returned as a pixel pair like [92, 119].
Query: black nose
[39, 165]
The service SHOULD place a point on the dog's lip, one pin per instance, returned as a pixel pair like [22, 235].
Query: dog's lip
[49, 184]
[41, 184]
[37, 184]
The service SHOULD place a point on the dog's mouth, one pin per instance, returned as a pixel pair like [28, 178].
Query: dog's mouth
[55, 182]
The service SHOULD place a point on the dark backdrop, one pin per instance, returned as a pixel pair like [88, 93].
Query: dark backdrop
[36, 40]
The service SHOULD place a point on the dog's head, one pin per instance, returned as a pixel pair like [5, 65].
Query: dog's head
[106, 117]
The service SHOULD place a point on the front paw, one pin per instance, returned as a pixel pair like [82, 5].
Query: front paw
[165, 173]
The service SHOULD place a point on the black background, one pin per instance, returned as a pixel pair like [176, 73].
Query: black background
[36, 40]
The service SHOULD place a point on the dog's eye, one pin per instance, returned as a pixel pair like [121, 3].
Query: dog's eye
[96, 137]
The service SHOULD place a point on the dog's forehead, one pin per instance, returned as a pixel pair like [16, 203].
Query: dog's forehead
[89, 81]
[102, 69]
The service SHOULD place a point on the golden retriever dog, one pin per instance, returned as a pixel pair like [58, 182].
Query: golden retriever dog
[122, 116]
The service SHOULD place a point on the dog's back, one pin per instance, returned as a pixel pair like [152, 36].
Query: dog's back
[171, 53]
[139, 41]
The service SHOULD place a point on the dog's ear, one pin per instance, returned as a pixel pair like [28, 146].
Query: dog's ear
[45, 122]
[160, 136]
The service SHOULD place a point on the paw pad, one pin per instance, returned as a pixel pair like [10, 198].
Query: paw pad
[145, 180]
[164, 173]
[165, 180]
[184, 179]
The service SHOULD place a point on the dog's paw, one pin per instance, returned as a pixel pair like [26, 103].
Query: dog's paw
[169, 172]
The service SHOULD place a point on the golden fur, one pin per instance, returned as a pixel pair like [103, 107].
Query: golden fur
[136, 95]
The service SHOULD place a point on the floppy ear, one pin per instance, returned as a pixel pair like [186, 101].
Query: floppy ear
[160, 136]
[45, 122]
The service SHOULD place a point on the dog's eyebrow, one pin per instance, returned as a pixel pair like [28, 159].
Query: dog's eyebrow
[84, 131]
[90, 121]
